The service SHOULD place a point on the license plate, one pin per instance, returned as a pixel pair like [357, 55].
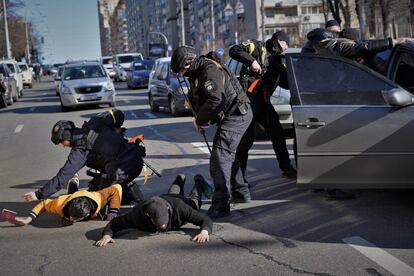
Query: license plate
[88, 98]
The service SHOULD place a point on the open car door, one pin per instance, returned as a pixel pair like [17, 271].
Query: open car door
[353, 129]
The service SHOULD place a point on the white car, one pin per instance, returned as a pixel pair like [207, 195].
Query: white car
[85, 83]
[122, 63]
[16, 74]
[107, 63]
[27, 74]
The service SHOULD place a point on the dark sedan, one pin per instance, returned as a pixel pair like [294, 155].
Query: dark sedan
[165, 91]
[354, 127]
[138, 73]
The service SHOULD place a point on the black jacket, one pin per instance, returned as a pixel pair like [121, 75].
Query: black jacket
[181, 214]
[213, 90]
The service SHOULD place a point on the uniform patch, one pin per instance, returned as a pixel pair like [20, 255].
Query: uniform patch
[210, 85]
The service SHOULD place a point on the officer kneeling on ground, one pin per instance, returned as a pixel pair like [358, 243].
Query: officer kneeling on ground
[217, 98]
[99, 145]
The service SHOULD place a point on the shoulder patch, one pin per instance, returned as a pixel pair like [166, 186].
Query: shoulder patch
[210, 85]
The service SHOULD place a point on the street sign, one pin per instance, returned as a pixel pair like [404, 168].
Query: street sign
[228, 10]
[207, 37]
[239, 8]
[220, 51]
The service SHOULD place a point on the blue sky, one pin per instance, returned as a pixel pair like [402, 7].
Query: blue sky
[70, 28]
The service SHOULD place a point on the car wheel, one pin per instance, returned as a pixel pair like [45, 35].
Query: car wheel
[30, 85]
[153, 107]
[173, 107]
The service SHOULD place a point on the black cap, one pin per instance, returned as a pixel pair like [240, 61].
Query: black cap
[331, 23]
[181, 57]
[158, 210]
[282, 36]
[62, 130]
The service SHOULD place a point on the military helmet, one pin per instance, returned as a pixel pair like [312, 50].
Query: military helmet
[181, 57]
[62, 130]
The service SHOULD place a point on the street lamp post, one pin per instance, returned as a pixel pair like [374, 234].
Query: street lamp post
[182, 23]
[6, 30]
[213, 31]
[165, 41]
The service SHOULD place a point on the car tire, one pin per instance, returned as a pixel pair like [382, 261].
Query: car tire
[172, 106]
[30, 85]
[154, 108]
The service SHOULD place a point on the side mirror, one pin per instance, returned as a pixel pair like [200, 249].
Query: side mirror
[398, 97]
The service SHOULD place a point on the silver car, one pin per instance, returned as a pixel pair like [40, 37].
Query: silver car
[354, 127]
[85, 83]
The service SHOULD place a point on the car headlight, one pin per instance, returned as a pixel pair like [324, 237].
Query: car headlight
[65, 90]
[109, 86]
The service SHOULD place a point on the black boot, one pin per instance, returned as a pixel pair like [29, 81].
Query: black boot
[177, 187]
[208, 190]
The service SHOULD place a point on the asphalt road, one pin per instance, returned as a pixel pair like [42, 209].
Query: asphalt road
[283, 231]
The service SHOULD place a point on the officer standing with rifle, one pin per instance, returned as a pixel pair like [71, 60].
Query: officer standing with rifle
[259, 84]
[216, 98]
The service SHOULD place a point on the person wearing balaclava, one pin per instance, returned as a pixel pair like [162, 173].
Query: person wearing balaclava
[271, 73]
[167, 212]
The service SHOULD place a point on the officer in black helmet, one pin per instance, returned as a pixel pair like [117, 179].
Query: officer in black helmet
[99, 145]
[263, 62]
[217, 98]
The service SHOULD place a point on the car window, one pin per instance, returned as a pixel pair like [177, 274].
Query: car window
[3, 71]
[107, 61]
[324, 81]
[23, 67]
[405, 72]
[83, 72]
[164, 71]
[11, 67]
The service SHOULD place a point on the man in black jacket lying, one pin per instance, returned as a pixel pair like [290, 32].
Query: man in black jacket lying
[167, 212]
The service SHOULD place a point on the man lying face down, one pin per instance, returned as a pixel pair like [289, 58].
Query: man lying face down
[167, 212]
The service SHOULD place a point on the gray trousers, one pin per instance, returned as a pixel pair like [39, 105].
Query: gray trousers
[226, 140]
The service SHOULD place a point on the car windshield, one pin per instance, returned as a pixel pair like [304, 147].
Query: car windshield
[83, 72]
[145, 65]
[107, 61]
[2, 71]
[23, 67]
[11, 67]
[128, 59]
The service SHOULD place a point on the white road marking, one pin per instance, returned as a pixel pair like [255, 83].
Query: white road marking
[126, 101]
[18, 128]
[150, 115]
[32, 109]
[202, 146]
[44, 94]
[380, 256]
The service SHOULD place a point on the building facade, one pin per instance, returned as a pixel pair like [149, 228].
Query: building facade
[119, 29]
[106, 9]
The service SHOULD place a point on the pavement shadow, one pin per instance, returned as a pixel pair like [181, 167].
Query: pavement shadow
[45, 109]
[129, 234]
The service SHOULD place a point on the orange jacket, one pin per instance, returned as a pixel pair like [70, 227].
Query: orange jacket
[112, 194]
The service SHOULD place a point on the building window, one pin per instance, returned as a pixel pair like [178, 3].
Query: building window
[304, 10]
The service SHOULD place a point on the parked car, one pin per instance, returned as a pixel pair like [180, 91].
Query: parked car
[108, 64]
[10, 83]
[58, 79]
[85, 83]
[26, 73]
[122, 63]
[16, 73]
[353, 126]
[138, 74]
[165, 90]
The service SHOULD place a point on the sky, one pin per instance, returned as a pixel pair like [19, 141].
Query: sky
[70, 28]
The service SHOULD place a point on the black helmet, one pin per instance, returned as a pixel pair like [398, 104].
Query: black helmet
[62, 131]
[181, 57]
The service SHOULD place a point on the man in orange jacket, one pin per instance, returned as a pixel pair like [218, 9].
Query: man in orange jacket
[82, 205]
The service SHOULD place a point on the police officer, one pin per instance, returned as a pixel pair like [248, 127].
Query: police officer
[100, 145]
[217, 98]
[252, 54]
